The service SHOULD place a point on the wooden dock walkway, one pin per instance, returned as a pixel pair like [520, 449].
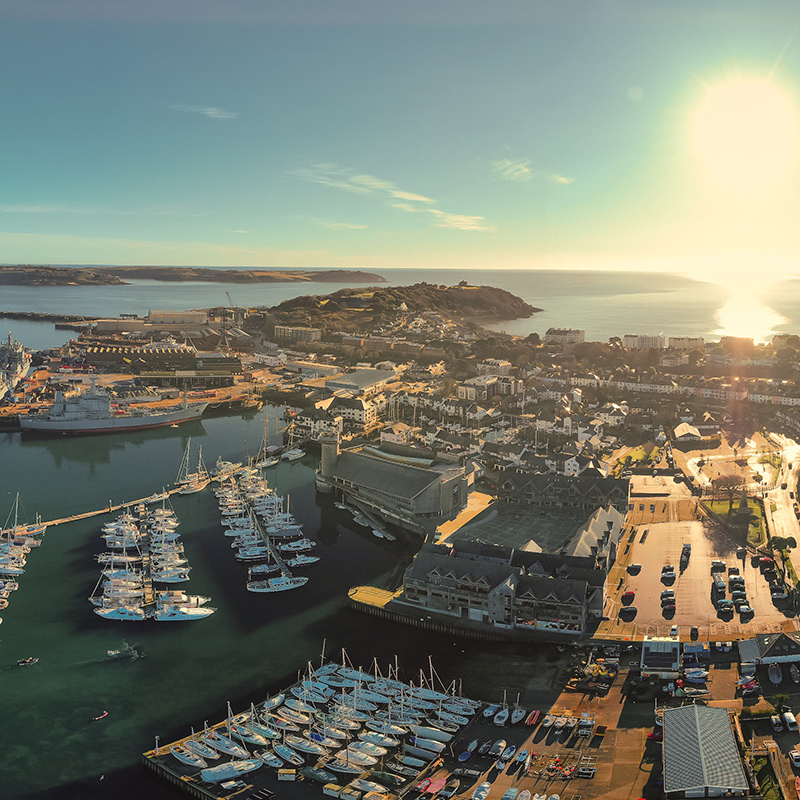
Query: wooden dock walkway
[127, 504]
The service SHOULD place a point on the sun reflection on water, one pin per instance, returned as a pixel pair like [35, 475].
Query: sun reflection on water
[743, 314]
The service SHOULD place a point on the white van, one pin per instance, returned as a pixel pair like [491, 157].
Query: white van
[789, 721]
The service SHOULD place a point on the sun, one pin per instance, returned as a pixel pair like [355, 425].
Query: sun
[744, 134]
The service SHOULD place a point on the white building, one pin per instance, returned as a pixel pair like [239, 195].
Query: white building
[687, 342]
[564, 336]
[635, 341]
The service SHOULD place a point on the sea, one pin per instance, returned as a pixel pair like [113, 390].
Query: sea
[51, 743]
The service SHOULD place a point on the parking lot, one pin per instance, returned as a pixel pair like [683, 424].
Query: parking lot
[656, 545]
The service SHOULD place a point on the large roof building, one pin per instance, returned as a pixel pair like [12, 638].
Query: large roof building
[410, 487]
[700, 754]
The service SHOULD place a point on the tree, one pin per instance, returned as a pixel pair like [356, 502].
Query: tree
[726, 486]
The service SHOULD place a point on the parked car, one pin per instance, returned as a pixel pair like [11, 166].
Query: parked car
[780, 596]
[694, 633]
[717, 565]
[733, 570]
[777, 723]
[629, 596]
[655, 736]
[746, 611]
[673, 631]
[633, 569]
[667, 568]
[667, 576]
[794, 757]
[667, 594]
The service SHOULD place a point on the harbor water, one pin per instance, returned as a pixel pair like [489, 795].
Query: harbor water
[253, 644]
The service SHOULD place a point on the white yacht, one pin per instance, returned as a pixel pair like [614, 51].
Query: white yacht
[132, 613]
[280, 584]
[181, 613]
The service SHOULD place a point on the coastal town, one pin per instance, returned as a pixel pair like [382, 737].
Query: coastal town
[626, 510]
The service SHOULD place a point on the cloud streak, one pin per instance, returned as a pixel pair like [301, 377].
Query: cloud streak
[207, 111]
[520, 171]
[364, 184]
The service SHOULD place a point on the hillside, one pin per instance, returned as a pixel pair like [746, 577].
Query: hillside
[41, 275]
[355, 310]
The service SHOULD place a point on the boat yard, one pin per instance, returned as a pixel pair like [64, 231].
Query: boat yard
[576, 749]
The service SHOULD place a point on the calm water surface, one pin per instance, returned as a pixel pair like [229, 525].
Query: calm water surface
[605, 304]
[50, 747]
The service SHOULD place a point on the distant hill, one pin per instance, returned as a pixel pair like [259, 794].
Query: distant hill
[42, 275]
[360, 309]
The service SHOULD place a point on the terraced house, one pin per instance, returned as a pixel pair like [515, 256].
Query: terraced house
[518, 593]
[579, 494]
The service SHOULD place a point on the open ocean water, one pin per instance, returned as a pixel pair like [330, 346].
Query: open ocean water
[604, 304]
[50, 746]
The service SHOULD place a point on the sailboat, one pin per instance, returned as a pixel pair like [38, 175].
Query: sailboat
[17, 529]
[188, 481]
[292, 453]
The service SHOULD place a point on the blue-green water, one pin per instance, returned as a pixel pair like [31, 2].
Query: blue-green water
[603, 303]
[50, 747]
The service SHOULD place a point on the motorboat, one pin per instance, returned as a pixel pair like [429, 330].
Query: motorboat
[128, 613]
[362, 785]
[181, 613]
[229, 770]
[481, 791]
[316, 774]
[497, 748]
[297, 546]
[280, 584]
[508, 753]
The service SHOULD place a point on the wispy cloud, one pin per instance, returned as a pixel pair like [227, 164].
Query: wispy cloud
[460, 222]
[207, 111]
[338, 178]
[520, 171]
[339, 226]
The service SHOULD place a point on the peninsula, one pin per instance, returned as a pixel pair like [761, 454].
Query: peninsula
[371, 308]
[45, 275]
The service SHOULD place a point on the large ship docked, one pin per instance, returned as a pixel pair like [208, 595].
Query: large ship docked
[14, 365]
[92, 412]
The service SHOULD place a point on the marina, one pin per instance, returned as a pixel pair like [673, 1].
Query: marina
[339, 742]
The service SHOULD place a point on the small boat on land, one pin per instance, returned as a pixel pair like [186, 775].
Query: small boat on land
[775, 674]
[481, 791]
[795, 673]
[532, 718]
[229, 770]
[187, 757]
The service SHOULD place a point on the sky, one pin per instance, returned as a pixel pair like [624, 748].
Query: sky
[365, 133]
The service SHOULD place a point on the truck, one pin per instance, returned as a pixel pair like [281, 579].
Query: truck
[686, 551]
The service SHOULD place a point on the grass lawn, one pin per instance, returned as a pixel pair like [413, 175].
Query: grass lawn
[767, 782]
[639, 453]
[772, 458]
[756, 534]
[790, 571]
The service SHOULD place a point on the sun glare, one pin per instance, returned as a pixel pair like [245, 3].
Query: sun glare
[744, 134]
